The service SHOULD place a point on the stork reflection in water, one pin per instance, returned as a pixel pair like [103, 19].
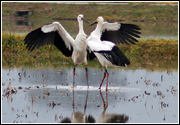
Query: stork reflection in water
[77, 116]
[110, 118]
[104, 117]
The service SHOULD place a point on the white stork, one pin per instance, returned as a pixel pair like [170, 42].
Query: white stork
[55, 34]
[102, 43]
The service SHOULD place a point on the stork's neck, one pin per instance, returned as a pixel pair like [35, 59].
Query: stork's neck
[97, 31]
[98, 28]
[81, 30]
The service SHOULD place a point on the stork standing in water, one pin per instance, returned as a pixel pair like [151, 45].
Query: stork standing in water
[55, 34]
[102, 43]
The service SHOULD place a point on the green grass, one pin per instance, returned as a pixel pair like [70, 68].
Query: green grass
[145, 47]
[153, 47]
[154, 53]
[133, 11]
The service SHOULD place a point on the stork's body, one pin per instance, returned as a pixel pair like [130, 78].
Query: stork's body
[79, 54]
[107, 53]
[55, 34]
[102, 43]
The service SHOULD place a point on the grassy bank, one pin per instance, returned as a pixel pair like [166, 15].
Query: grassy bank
[151, 52]
[144, 48]
[133, 11]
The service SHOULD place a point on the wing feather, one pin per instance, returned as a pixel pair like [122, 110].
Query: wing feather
[52, 34]
[126, 33]
[110, 26]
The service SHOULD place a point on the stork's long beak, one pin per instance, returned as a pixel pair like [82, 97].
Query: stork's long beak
[85, 20]
[95, 22]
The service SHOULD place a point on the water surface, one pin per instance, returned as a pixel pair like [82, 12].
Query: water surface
[46, 95]
[156, 30]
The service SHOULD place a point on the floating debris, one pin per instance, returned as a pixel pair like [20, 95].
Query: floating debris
[155, 84]
[56, 117]
[9, 91]
[98, 106]
[164, 105]
[146, 93]
[52, 104]
[19, 87]
[159, 93]
[173, 90]
[161, 78]
[46, 93]
[147, 82]
[162, 96]
[134, 98]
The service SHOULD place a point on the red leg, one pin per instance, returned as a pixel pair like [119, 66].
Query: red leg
[104, 102]
[107, 82]
[102, 80]
[102, 98]
[105, 72]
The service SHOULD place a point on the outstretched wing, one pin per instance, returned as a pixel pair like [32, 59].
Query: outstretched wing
[120, 33]
[52, 34]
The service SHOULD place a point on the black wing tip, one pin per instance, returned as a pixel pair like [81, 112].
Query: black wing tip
[132, 26]
[122, 58]
[28, 48]
[31, 39]
[126, 34]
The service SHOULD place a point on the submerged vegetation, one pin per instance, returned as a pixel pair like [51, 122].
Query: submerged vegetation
[152, 53]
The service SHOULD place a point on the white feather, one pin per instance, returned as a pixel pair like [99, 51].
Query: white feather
[49, 28]
[100, 45]
[56, 26]
[110, 26]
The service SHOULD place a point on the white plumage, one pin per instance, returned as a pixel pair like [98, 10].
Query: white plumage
[56, 26]
[55, 34]
[97, 45]
[110, 26]
[101, 47]
[102, 43]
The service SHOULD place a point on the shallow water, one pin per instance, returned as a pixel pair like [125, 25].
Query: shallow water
[156, 30]
[46, 95]
[38, 95]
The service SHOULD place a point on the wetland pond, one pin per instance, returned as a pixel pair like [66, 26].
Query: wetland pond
[45, 95]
